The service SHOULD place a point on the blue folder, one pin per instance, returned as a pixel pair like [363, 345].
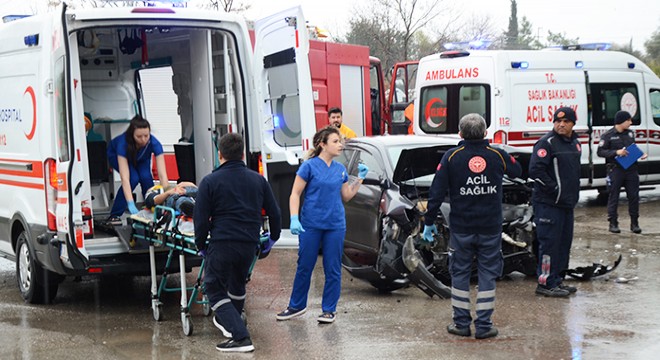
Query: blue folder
[634, 153]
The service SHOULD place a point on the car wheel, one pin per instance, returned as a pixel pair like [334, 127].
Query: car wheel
[37, 285]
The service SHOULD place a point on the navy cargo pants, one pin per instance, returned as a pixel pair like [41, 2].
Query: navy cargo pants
[629, 179]
[554, 232]
[487, 249]
[226, 270]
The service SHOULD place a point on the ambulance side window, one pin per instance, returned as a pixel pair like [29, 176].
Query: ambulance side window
[443, 106]
[60, 111]
[608, 98]
[655, 105]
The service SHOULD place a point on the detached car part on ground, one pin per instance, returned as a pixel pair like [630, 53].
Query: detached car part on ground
[383, 243]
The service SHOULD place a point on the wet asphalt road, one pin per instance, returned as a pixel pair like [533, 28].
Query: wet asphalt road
[112, 319]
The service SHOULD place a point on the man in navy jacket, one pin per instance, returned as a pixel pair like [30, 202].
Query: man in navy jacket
[229, 204]
[472, 175]
[555, 170]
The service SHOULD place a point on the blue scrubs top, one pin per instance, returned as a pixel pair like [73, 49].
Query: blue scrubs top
[323, 207]
[118, 146]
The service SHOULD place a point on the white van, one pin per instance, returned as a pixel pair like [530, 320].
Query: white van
[63, 70]
[517, 93]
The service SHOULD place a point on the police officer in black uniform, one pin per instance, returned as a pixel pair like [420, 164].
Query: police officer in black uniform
[229, 204]
[555, 169]
[613, 143]
[472, 174]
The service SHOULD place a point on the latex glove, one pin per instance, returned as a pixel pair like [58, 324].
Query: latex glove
[296, 226]
[429, 230]
[132, 208]
[362, 171]
[266, 246]
[202, 253]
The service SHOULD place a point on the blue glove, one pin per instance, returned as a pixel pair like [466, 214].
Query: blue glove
[132, 208]
[429, 230]
[362, 171]
[296, 226]
[267, 245]
[202, 253]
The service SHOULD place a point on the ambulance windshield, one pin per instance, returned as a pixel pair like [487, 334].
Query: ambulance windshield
[444, 105]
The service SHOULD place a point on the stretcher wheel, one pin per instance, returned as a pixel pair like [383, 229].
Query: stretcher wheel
[156, 308]
[206, 307]
[186, 323]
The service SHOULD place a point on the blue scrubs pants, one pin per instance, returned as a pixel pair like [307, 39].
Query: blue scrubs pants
[332, 243]
[140, 175]
[554, 232]
[487, 250]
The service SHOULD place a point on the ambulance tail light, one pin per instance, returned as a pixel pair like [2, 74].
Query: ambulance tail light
[50, 170]
[500, 137]
[260, 166]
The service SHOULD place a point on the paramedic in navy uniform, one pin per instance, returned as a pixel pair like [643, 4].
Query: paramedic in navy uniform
[472, 174]
[228, 207]
[613, 143]
[130, 154]
[322, 221]
[555, 170]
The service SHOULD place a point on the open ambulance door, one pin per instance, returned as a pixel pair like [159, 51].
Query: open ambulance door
[284, 88]
[66, 186]
[401, 95]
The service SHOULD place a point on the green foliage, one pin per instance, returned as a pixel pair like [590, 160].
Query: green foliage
[511, 36]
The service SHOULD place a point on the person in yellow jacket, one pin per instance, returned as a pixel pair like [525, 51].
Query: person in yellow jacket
[335, 119]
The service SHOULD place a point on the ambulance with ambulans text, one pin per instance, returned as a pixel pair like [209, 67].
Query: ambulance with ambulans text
[72, 79]
[517, 93]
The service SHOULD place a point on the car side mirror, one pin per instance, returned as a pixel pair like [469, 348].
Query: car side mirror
[373, 179]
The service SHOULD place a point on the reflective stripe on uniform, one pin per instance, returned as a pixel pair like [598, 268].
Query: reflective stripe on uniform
[220, 303]
[485, 305]
[460, 293]
[486, 294]
[236, 297]
[460, 304]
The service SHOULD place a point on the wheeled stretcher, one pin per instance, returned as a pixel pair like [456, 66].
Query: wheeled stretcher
[165, 230]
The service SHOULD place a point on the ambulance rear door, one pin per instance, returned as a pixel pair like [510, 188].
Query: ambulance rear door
[69, 165]
[284, 86]
[612, 91]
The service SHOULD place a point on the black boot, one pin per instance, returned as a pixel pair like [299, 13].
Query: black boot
[634, 226]
[614, 227]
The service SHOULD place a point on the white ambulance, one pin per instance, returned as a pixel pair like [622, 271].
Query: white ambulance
[517, 93]
[71, 80]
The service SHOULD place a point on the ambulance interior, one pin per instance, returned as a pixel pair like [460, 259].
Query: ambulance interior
[183, 80]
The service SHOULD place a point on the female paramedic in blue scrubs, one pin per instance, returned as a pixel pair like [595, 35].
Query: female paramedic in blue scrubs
[130, 154]
[322, 222]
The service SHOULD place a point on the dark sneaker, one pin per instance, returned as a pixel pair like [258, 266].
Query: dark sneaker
[614, 228]
[326, 318]
[554, 292]
[492, 332]
[290, 313]
[224, 331]
[114, 220]
[455, 330]
[570, 289]
[635, 228]
[243, 346]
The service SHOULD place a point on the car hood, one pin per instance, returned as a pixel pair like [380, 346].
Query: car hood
[417, 162]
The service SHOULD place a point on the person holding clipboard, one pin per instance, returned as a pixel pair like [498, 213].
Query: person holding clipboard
[617, 146]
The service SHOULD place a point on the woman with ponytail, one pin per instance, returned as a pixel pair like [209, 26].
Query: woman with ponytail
[322, 221]
[130, 155]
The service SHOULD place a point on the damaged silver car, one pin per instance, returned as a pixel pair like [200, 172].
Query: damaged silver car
[384, 220]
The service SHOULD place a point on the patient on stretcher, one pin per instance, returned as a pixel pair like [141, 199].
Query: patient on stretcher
[180, 198]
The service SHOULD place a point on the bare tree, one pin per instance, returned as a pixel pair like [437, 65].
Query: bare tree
[229, 5]
[414, 15]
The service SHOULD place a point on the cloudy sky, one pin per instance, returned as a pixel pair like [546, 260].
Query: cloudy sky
[616, 21]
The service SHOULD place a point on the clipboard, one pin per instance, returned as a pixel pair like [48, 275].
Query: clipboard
[634, 153]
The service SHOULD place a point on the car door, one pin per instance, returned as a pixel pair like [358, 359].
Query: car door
[363, 214]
